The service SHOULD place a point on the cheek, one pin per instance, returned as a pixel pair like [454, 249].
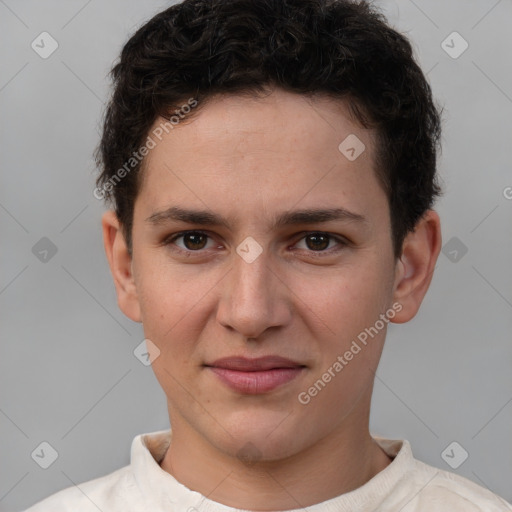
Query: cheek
[343, 301]
[343, 311]
[167, 292]
[176, 303]
[348, 347]
[165, 300]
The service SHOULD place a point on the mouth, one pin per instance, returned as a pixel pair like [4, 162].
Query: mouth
[255, 376]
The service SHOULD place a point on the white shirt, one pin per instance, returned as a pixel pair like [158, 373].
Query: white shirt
[405, 485]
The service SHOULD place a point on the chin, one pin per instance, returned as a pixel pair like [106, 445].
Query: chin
[256, 437]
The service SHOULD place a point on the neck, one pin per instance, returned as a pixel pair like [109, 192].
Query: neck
[339, 463]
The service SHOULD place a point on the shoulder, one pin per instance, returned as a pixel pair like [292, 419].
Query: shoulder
[431, 488]
[115, 491]
[126, 489]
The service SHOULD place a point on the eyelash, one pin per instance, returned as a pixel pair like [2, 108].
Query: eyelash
[172, 238]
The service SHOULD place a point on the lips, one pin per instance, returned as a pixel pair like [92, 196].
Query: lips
[255, 376]
[244, 364]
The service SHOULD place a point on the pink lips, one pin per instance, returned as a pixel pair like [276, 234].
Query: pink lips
[255, 376]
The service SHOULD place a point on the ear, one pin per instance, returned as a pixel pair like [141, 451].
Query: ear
[415, 268]
[120, 263]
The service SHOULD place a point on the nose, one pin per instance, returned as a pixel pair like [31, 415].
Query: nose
[255, 297]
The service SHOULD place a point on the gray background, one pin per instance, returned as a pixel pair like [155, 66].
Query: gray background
[68, 375]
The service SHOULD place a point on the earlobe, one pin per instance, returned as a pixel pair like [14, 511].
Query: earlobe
[414, 270]
[121, 266]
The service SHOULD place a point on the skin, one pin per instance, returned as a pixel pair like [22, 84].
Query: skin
[249, 159]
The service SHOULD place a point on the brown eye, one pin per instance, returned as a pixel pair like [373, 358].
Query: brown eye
[318, 241]
[193, 241]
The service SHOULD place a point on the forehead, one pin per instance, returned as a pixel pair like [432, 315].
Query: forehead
[267, 152]
[310, 126]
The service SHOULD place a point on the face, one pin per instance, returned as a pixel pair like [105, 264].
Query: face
[236, 282]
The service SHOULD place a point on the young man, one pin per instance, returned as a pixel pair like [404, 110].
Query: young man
[272, 167]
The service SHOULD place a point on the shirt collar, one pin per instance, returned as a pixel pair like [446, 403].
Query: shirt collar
[162, 492]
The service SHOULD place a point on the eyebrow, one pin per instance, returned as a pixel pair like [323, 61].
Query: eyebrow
[208, 218]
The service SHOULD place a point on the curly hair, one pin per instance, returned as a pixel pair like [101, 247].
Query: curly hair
[340, 48]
